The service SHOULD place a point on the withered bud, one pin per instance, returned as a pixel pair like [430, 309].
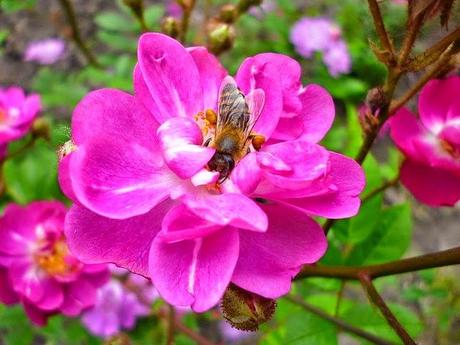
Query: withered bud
[170, 26]
[228, 13]
[185, 4]
[431, 8]
[244, 5]
[220, 36]
[245, 310]
[41, 128]
[119, 339]
[376, 99]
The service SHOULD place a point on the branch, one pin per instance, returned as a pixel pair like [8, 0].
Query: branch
[409, 40]
[439, 259]
[76, 35]
[171, 325]
[380, 28]
[137, 9]
[187, 8]
[377, 300]
[338, 322]
[387, 184]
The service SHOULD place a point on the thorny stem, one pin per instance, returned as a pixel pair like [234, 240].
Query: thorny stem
[76, 35]
[185, 21]
[443, 43]
[409, 40]
[439, 259]
[380, 28]
[338, 322]
[377, 300]
[171, 325]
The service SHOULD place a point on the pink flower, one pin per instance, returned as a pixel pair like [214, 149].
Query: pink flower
[36, 267]
[310, 35]
[432, 144]
[116, 308]
[147, 199]
[45, 52]
[17, 112]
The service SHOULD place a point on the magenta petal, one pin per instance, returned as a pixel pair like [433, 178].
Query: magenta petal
[432, 186]
[96, 239]
[211, 75]
[38, 317]
[171, 75]
[404, 127]
[268, 261]
[79, 295]
[289, 128]
[346, 181]
[181, 224]
[318, 112]
[181, 139]
[254, 74]
[227, 209]
[53, 295]
[112, 113]
[437, 100]
[7, 295]
[117, 178]
[247, 174]
[194, 273]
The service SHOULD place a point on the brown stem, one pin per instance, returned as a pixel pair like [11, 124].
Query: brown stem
[137, 9]
[439, 259]
[439, 65]
[171, 325]
[380, 28]
[338, 322]
[443, 43]
[377, 300]
[185, 21]
[409, 40]
[387, 184]
[76, 35]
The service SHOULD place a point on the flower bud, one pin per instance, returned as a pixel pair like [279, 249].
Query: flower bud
[170, 26]
[245, 310]
[228, 13]
[220, 36]
[41, 128]
[119, 339]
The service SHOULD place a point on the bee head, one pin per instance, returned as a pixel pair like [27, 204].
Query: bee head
[222, 163]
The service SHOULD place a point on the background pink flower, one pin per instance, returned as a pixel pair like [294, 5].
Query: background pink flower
[36, 267]
[17, 112]
[432, 144]
[138, 175]
[45, 52]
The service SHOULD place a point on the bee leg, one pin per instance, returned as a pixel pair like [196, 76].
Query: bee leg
[206, 143]
[211, 116]
[257, 141]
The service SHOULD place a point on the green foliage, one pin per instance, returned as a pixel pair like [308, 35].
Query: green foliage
[16, 5]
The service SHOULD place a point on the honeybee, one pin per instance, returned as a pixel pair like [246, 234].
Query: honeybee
[236, 118]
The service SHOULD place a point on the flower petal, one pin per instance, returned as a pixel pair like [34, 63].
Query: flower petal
[171, 75]
[79, 295]
[404, 127]
[268, 261]
[7, 295]
[194, 273]
[96, 239]
[181, 139]
[211, 75]
[432, 186]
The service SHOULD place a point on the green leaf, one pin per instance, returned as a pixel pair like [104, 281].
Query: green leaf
[153, 15]
[33, 174]
[13, 319]
[388, 241]
[16, 5]
[114, 21]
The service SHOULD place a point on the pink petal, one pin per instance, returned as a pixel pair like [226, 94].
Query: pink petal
[268, 261]
[318, 112]
[171, 75]
[53, 295]
[115, 114]
[181, 224]
[37, 316]
[404, 127]
[288, 128]
[247, 174]
[439, 102]
[194, 273]
[181, 139]
[227, 209]
[96, 239]
[255, 74]
[346, 181]
[431, 186]
[7, 295]
[117, 178]
[79, 295]
[211, 75]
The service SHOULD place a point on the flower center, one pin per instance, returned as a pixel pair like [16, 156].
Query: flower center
[54, 258]
[451, 149]
[3, 115]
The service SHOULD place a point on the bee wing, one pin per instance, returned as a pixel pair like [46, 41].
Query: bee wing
[255, 101]
[233, 109]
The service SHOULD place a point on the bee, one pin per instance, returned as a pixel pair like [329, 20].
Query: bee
[236, 118]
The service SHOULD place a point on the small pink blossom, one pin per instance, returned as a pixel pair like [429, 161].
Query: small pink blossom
[310, 35]
[45, 52]
[17, 112]
[147, 200]
[431, 144]
[36, 268]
